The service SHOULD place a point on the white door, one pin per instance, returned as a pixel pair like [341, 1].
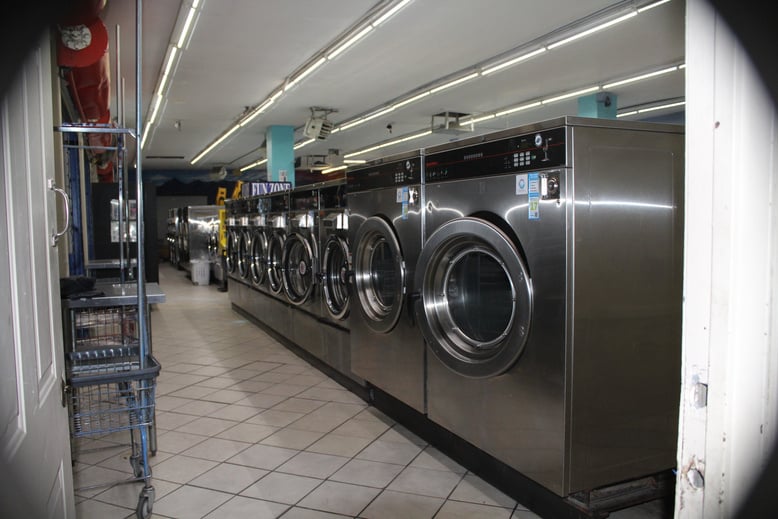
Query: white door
[36, 478]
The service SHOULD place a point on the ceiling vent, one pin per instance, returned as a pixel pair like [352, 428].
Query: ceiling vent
[318, 126]
[448, 122]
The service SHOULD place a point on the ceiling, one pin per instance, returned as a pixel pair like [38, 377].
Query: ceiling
[241, 51]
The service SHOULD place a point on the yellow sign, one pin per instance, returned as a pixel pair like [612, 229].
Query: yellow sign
[223, 228]
[236, 191]
[221, 195]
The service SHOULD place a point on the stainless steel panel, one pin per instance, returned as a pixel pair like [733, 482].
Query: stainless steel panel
[627, 291]
[518, 416]
[306, 332]
[392, 361]
[199, 228]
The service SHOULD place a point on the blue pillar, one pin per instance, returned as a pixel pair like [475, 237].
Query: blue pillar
[280, 153]
[601, 104]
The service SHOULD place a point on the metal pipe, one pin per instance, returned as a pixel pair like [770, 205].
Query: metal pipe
[119, 89]
[141, 280]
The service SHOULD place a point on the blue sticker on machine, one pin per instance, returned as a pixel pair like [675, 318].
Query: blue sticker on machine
[404, 198]
[533, 196]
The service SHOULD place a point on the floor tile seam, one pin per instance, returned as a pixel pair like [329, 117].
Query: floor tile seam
[320, 483]
[288, 506]
[209, 489]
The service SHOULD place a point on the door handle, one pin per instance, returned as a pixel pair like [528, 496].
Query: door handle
[56, 235]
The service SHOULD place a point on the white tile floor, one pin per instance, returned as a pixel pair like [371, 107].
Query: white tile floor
[248, 429]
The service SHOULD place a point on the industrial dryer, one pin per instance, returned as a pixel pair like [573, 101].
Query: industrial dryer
[384, 230]
[550, 297]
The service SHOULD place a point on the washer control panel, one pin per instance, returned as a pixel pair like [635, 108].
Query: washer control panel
[398, 173]
[538, 150]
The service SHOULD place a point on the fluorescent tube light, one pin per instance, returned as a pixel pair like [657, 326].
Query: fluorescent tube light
[252, 165]
[361, 120]
[412, 99]
[350, 124]
[187, 26]
[479, 119]
[305, 73]
[640, 78]
[571, 94]
[661, 107]
[592, 30]
[651, 6]
[517, 109]
[627, 114]
[513, 61]
[453, 83]
[214, 144]
[333, 170]
[354, 161]
[302, 143]
[351, 41]
[388, 143]
[261, 108]
[155, 109]
[390, 13]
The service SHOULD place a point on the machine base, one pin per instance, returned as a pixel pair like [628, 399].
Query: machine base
[596, 503]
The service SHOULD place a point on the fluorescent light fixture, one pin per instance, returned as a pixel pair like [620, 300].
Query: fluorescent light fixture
[479, 119]
[661, 107]
[350, 124]
[651, 6]
[155, 109]
[261, 108]
[316, 64]
[390, 13]
[354, 161]
[252, 165]
[388, 143]
[518, 108]
[335, 130]
[640, 78]
[333, 170]
[592, 30]
[195, 3]
[187, 26]
[170, 59]
[351, 41]
[683, 66]
[214, 144]
[571, 94]
[412, 99]
[513, 61]
[627, 114]
[455, 82]
[302, 143]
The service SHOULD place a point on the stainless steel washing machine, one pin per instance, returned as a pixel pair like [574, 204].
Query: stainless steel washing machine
[550, 297]
[334, 275]
[387, 349]
[279, 312]
[261, 230]
[300, 269]
[233, 234]
[247, 208]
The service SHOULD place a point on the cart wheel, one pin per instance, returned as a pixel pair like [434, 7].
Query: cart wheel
[137, 467]
[145, 503]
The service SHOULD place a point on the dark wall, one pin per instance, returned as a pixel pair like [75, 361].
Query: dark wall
[102, 194]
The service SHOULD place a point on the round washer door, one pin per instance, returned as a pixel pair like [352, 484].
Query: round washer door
[476, 298]
[298, 275]
[335, 267]
[232, 250]
[379, 274]
[275, 256]
[244, 254]
[258, 265]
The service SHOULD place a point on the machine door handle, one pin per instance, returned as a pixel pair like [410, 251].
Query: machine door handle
[66, 199]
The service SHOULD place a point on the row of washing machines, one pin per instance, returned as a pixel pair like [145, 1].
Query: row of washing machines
[520, 289]
[288, 263]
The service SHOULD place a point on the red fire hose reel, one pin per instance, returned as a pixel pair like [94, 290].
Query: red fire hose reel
[82, 54]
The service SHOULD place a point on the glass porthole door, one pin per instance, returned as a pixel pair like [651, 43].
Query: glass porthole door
[475, 301]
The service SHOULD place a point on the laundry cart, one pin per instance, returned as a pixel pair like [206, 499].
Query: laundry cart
[111, 377]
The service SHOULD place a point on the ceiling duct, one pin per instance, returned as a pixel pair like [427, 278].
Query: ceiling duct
[448, 122]
[318, 126]
[319, 162]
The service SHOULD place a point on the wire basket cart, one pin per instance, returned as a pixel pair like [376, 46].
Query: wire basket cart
[111, 379]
